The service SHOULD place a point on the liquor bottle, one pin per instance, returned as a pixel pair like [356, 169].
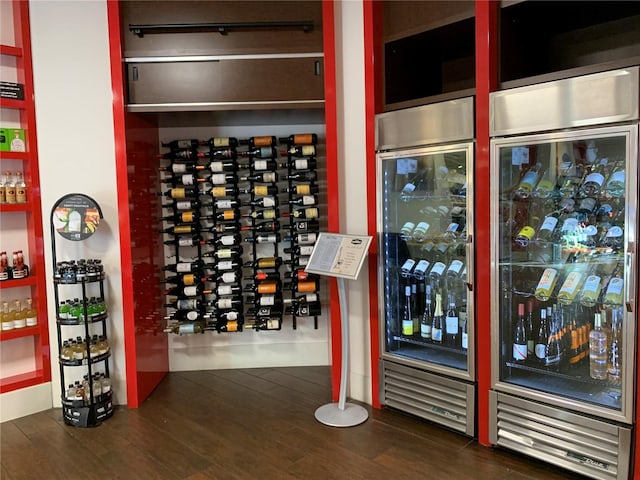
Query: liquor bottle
[598, 350]
[304, 200]
[613, 295]
[426, 322]
[180, 192]
[220, 142]
[546, 284]
[265, 324]
[302, 176]
[185, 267]
[300, 151]
[183, 180]
[10, 188]
[407, 320]
[222, 154]
[616, 183]
[542, 338]
[7, 317]
[185, 304]
[520, 337]
[452, 325]
[260, 141]
[31, 314]
[264, 238]
[308, 213]
[271, 226]
[182, 144]
[262, 177]
[265, 262]
[301, 189]
[300, 139]
[260, 152]
[188, 291]
[438, 319]
[233, 252]
[185, 328]
[301, 164]
[21, 188]
[266, 214]
[614, 358]
[529, 181]
[3, 189]
[222, 166]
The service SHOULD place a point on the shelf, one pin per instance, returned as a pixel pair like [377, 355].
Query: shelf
[21, 282]
[222, 28]
[15, 104]
[16, 382]
[62, 281]
[19, 333]
[15, 207]
[95, 319]
[10, 50]
[20, 156]
[84, 361]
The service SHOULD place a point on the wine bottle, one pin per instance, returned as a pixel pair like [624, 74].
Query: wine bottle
[542, 337]
[614, 358]
[616, 183]
[186, 315]
[228, 240]
[304, 286]
[222, 166]
[266, 287]
[232, 252]
[184, 179]
[180, 192]
[301, 164]
[426, 321]
[260, 152]
[182, 144]
[306, 298]
[186, 229]
[303, 238]
[232, 276]
[304, 200]
[225, 227]
[452, 323]
[531, 341]
[220, 142]
[571, 285]
[264, 202]
[190, 155]
[262, 190]
[265, 324]
[438, 319]
[298, 262]
[300, 250]
[264, 238]
[260, 141]
[187, 204]
[217, 192]
[189, 216]
[407, 319]
[220, 154]
[186, 280]
[262, 276]
[265, 311]
[613, 294]
[188, 291]
[308, 213]
[302, 176]
[305, 309]
[228, 290]
[548, 226]
[594, 179]
[185, 328]
[185, 267]
[305, 226]
[227, 265]
[263, 165]
[270, 226]
[520, 337]
[227, 215]
[300, 151]
[299, 274]
[553, 348]
[228, 315]
[546, 284]
[301, 189]
[598, 350]
[185, 304]
[226, 204]
[262, 214]
[264, 262]
[223, 179]
[261, 177]
[228, 303]
[300, 139]
[230, 326]
[529, 181]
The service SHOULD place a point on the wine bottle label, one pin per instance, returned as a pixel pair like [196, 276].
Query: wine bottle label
[32, 321]
[617, 177]
[268, 300]
[308, 286]
[519, 352]
[615, 232]
[438, 269]
[267, 238]
[454, 268]
[303, 189]
[407, 327]
[303, 261]
[267, 287]
[570, 284]
[570, 225]
[406, 230]
[218, 191]
[308, 150]
[183, 267]
[227, 240]
[301, 164]
[420, 231]
[261, 190]
[187, 179]
[186, 328]
[178, 193]
[268, 214]
[229, 277]
[465, 340]
[266, 152]
[233, 315]
[594, 177]
[306, 238]
[308, 200]
[529, 179]
[451, 325]
[590, 230]
[185, 242]
[190, 291]
[527, 233]
[216, 167]
[615, 286]
[407, 266]
[225, 303]
[21, 195]
[225, 290]
[187, 304]
[218, 179]
[587, 204]
[187, 217]
[183, 205]
[228, 215]
[591, 284]
[261, 165]
[182, 229]
[179, 167]
[547, 279]
[225, 265]
[306, 249]
[549, 224]
[436, 334]
[425, 330]
[272, 324]
[309, 297]
[189, 279]
[221, 142]
[452, 228]
[421, 269]
[540, 350]
[224, 253]
[544, 188]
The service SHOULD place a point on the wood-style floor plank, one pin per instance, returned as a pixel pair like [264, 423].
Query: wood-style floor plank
[250, 424]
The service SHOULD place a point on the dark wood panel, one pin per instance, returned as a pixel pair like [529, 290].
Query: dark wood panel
[227, 81]
[213, 43]
[247, 424]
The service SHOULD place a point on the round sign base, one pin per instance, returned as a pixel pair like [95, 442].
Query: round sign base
[330, 414]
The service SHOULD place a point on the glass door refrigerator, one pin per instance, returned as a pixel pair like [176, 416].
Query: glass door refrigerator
[425, 226]
[564, 270]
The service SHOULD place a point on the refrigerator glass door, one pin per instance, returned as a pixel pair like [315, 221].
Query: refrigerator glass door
[563, 218]
[425, 226]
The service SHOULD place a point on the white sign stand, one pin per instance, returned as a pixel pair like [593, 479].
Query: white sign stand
[341, 256]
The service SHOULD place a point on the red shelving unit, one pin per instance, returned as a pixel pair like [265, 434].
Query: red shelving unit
[28, 163]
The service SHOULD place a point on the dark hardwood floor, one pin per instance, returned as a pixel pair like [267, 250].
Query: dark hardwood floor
[250, 424]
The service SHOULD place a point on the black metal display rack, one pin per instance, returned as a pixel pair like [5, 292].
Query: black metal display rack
[80, 308]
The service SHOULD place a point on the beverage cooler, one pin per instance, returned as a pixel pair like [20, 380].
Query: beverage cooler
[564, 199]
[425, 225]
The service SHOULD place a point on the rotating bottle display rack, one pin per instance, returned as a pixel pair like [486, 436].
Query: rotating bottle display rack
[81, 310]
[239, 256]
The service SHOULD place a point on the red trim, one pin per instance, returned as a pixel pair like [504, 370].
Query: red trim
[15, 104]
[20, 282]
[23, 380]
[117, 86]
[10, 50]
[21, 156]
[19, 333]
[372, 14]
[333, 200]
[16, 207]
[486, 82]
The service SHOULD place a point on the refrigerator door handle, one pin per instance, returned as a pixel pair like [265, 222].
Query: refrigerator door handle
[469, 247]
[630, 289]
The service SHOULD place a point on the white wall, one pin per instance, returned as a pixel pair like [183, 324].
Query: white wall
[352, 170]
[72, 82]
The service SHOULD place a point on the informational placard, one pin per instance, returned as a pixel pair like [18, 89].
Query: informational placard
[338, 255]
[76, 216]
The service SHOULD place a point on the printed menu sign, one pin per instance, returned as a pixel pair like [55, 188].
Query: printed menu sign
[338, 255]
[76, 216]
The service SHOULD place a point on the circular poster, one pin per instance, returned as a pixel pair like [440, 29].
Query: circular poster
[76, 216]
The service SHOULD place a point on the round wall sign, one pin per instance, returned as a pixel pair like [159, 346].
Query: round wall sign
[76, 216]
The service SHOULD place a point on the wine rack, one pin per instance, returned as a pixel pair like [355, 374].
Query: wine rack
[240, 254]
